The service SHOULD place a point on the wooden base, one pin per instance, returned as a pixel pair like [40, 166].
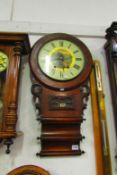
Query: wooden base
[60, 148]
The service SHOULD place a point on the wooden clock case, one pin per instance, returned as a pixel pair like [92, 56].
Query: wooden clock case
[29, 170]
[111, 58]
[60, 105]
[14, 46]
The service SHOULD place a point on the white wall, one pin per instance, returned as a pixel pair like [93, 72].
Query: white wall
[81, 17]
[86, 19]
[82, 12]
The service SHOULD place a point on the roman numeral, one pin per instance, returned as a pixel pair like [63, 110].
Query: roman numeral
[69, 46]
[2, 65]
[3, 58]
[75, 51]
[53, 71]
[71, 73]
[78, 59]
[76, 66]
[61, 74]
[61, 43]
[53, 45]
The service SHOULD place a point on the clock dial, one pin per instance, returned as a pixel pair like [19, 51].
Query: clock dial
[3, 61]
[61, 60]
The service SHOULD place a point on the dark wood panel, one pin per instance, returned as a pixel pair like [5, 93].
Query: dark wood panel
[14, 46]
[60, 148]
[111, 58]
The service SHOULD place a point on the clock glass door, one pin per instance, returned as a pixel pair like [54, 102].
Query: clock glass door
[61, 60]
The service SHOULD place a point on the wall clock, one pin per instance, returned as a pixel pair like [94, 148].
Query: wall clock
[29, 170]
[60, 66]
[12, 47]
[111, 58]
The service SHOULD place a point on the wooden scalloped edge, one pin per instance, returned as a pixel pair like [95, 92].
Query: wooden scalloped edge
[31, 169]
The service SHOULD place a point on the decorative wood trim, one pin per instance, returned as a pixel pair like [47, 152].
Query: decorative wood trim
[29, 169]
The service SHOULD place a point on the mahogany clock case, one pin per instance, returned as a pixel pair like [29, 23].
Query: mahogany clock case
[14, 46]
[29, 170]
[111, 58]
[60, 104]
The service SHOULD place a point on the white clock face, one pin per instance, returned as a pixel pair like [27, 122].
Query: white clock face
[61, 60]
[3, 61]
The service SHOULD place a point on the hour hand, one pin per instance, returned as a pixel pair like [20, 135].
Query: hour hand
[58, 63]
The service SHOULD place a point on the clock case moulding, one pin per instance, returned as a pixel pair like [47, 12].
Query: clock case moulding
[60, 124]
[111, 58]
[29, 170]
[14, 45]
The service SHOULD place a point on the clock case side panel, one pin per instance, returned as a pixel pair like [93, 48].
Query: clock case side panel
[14, 46]
[112, 78]
[111, 58]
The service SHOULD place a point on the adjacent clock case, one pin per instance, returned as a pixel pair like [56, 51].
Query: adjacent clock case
[111, 58]
[60, 103]
[29, 170]
[12, 47]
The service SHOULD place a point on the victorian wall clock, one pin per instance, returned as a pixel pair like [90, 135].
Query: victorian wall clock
[29, 170]
[111, 57]
[60, 66]
[12, 47]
